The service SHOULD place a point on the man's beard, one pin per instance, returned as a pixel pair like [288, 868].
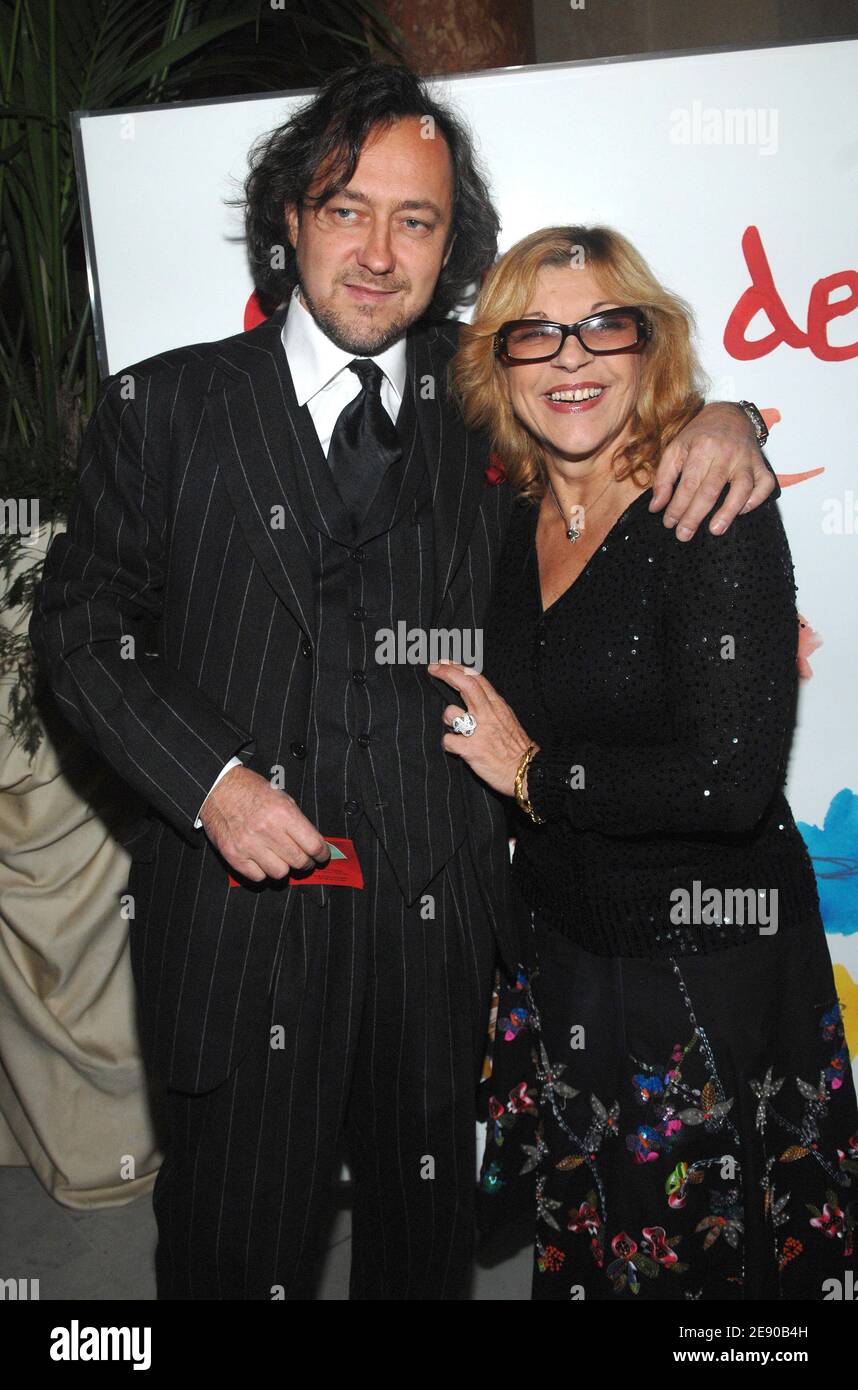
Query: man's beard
[345, 335]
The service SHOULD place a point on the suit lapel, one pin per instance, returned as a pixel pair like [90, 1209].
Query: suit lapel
[256, 443]
[258, 449]
[454, 459]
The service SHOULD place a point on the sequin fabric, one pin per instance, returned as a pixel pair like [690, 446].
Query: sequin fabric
[661, 689]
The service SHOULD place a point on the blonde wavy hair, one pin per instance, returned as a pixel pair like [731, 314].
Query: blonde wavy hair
[671, 383]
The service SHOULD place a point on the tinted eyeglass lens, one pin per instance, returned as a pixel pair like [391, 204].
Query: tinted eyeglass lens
[611, 331]
[532, 340]
[605, 333]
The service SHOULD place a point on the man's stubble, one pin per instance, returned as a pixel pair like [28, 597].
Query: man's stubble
[345, 336]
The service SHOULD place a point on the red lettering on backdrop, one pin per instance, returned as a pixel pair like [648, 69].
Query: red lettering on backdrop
[821, 311]
[253, 314]
[762, 296]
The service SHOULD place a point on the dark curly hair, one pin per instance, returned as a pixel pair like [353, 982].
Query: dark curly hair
[333, 126]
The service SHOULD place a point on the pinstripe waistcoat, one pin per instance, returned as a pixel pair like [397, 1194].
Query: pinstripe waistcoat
[189, 534]
[369, 744]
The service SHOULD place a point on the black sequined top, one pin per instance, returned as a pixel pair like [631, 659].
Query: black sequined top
[661, 689]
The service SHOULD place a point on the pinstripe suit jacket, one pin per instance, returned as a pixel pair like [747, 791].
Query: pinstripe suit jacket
[170, 543]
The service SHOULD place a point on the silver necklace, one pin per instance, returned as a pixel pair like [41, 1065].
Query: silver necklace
[573, 532]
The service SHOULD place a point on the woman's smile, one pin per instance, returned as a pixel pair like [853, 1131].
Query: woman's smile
[572, 400]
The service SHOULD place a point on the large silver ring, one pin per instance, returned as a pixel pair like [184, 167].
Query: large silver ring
[464, 724]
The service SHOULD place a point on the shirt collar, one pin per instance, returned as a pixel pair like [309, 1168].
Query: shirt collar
[314, 360]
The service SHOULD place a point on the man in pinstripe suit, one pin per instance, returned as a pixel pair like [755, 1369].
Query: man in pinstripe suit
[208, 621]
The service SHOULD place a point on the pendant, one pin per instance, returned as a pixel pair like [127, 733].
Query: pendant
[573, 534]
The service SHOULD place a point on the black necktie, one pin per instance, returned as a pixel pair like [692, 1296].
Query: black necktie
[364, 442]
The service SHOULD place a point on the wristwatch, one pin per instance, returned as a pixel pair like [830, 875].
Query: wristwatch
[756, 420]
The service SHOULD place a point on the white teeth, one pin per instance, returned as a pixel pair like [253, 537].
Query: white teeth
[588, 393]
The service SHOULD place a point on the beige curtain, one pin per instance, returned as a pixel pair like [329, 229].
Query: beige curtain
[74, 1102]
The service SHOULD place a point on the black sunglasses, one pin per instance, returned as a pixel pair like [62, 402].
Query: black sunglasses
[537, 340]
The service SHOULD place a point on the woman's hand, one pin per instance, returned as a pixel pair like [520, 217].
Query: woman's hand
[499, 743]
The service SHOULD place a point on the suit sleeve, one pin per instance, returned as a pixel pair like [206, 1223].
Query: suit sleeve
[97, 607]
[730, 642]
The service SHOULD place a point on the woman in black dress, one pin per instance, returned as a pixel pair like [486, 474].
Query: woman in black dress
[670, 1068]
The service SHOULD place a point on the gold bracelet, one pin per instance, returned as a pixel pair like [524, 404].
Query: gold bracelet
[520, 799]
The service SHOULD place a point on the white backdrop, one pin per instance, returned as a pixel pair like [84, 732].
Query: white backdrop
[694, 157]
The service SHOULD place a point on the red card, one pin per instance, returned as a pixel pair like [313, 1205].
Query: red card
[343, 872]
[337, 873]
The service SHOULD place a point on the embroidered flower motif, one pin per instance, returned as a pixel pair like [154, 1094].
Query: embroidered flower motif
[711, 1112]
[831, 1023]
[546, 1206]
[657, 1246]
[648, 1087]
[848, 1157]
[776, 1207]
[646, 1144]
[655, 1254]
[623, 1246]
[726, 1219]
[604, 1124]
[504, 1116]
[550, 1259]
[674, 1113]
[675, 1187]
[818, 1095]
[492, 1180]
[764, 1090]
[586, 1218]
[512, 1026]
[669, 1125]
[622, 1270]
[837, 1068]
[832, 1219]
[587, 1221]
[521, 1102]
[678, 1183]
[833, 1032]
[550, 1075]
[535, 1154]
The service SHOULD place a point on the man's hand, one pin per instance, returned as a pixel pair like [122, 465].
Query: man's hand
[718, 446]
[261, 832]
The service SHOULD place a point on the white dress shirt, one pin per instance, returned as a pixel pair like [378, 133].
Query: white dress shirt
[323, 383]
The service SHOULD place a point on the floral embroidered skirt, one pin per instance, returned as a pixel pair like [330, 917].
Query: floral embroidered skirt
[683, 1127]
